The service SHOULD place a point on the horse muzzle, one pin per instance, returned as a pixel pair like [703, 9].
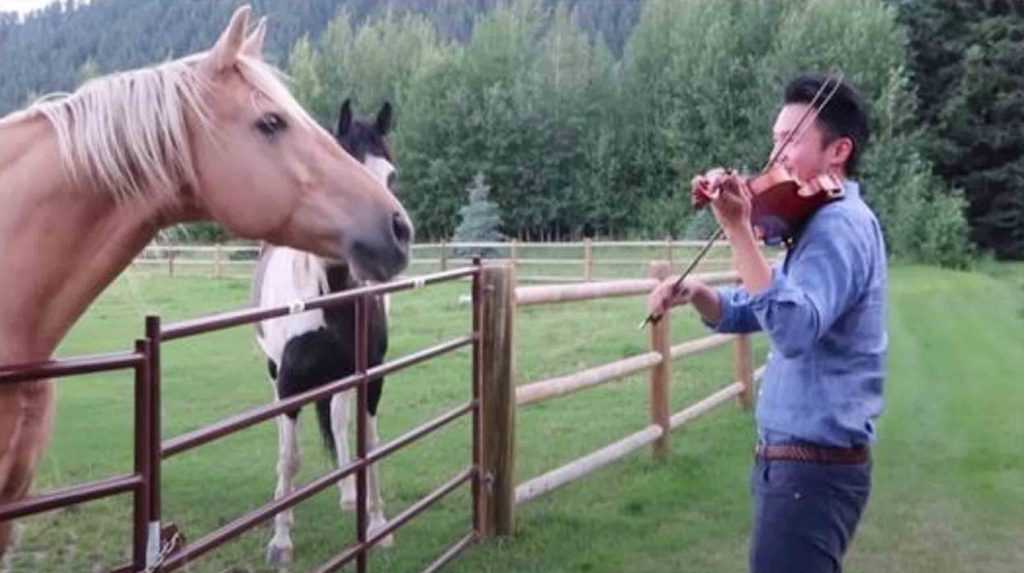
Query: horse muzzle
[380, 256]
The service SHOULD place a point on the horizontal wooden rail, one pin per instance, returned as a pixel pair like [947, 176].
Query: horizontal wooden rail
[552, 480]
[707, 404]
[550, 279]
[718, 277]
[632, 262]
[526, 296]
[563, 385]
[691, 347]
[662, 244]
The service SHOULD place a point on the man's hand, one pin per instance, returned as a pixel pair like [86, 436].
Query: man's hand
[704, 187]
[728, 194]
[692, 291]
[666, 295]
[731, 202]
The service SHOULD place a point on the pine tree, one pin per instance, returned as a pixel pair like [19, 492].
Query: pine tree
[481, 220]
[965, 59]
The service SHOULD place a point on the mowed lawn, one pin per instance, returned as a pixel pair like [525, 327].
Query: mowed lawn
[949, 478]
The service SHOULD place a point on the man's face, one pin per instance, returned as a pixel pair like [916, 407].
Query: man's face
[805, 155]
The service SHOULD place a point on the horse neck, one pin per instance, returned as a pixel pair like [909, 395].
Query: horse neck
[60, 244]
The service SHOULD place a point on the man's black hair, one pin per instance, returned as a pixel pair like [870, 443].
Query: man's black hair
[844, 116]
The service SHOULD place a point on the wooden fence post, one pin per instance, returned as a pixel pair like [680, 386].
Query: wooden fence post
[588, 260]
[513, 253]
[744, 362]
[668, 250]
[661, 375]
[497, 400]
[218, 269]
[170, 263]
[444, 256]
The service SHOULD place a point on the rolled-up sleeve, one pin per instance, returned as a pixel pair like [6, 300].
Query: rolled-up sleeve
[737, 316]
[800, 306]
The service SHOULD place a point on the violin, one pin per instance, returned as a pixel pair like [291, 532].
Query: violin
[780, 202]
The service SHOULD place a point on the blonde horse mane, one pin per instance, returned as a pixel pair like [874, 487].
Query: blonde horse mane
[126, 133]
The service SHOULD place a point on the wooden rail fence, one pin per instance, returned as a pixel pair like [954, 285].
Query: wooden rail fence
[657, 361]
[584, 261]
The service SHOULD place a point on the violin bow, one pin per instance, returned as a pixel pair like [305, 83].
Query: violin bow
[801, 127]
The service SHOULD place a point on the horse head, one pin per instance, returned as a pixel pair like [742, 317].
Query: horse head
[265, 168]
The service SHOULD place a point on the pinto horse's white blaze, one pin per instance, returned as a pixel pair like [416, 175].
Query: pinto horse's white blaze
[382, 170]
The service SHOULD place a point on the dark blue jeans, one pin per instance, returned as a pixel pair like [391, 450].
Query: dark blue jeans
[805, 514]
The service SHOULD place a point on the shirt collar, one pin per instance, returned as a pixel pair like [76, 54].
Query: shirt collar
[851, 188]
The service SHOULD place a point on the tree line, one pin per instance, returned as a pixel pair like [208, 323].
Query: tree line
[589, 118]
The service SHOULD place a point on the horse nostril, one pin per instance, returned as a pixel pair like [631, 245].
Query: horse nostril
[401, 229]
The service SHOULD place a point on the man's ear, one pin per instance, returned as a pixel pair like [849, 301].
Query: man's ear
[841, 150]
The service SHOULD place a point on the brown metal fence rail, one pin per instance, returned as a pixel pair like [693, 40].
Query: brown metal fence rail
[158, 548]
[139, 482]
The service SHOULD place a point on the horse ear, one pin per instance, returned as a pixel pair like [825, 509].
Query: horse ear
[225, 52]
[344, 118]
[253, 46]
[384, 119]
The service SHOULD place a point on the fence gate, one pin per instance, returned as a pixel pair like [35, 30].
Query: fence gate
[159, 547]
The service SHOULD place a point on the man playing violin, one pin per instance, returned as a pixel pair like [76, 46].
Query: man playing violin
[823, 309]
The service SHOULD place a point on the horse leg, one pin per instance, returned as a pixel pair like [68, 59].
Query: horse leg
[341, 404]
[375, 505]
[279, 551]
[26, 421]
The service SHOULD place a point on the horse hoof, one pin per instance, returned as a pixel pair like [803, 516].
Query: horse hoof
[386, 541]
[277, 556]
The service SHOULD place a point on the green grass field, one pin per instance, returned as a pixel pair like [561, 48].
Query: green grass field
[949, 478]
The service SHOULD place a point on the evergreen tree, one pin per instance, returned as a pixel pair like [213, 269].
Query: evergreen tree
[481, 220]
[966, 59]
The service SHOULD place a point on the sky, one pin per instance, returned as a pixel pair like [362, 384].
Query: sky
[22, 6]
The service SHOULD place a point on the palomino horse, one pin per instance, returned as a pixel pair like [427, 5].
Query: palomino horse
[314, 348]
[211, 136]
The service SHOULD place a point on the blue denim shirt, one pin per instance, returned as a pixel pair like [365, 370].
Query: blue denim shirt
[825, 315]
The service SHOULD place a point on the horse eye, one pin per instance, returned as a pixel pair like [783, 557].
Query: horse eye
[270, 123]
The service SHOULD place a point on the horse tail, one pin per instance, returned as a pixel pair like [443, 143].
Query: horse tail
[323, 418]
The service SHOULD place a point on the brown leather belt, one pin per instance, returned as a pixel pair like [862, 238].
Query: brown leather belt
[814, 454]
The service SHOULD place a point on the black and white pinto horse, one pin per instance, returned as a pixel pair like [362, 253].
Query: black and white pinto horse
[311, 349]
